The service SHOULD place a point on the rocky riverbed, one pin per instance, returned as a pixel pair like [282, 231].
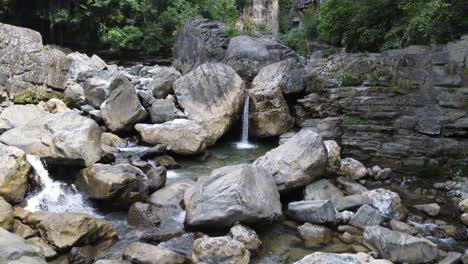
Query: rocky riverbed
[345, 158]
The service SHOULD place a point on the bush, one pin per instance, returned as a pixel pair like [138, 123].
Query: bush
[297, 40]
[129, 37]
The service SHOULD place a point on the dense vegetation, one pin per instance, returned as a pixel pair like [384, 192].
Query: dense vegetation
[149, 25]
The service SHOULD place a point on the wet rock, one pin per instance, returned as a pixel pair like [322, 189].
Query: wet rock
[14, 247]
[14, 171]
[248, 55]
[349, 202]
[167, 161]
[246, 236]
[198, 42]
[122, 109]
[286, 75]
[296, 163]
[156, 178]
[61, 138]
[351, 187]
[431, 209]
[270, 115]
[6, 215]
[182, 136]
[334, 156]
[138, 252]
[211, 95]
[65, 230]
[242, 193]
[162, 110]
[330, 258]
[315, 234]
[23, 230]
[171, 195]
[111, 143]
[399, 226]
[20, 115]
[219, 250]
[315, 212]
[120, 185]
[143, 215]
[322, 190]
[366, 216]
[163, 80]
[387, 202]
[400, 247]
[353, 169]
[48, 251]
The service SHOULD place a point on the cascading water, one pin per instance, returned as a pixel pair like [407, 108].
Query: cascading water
[55, 196]
[244, 143]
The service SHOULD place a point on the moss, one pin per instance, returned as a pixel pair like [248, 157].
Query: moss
[350, 79]
[352, 121]
[26, 97]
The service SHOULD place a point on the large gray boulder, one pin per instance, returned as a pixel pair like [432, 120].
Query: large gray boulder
[387, 202]
[162, 110]
[211, 95]
[14, 174]
[56, 68]
[82, 63]
[122, 109]
[331, 258]
[163, 81]
[298, 162]
[400, 247]
[20, 115]
[96, 91]
[138, 252]
[200, 41]
[315, 212]
[182, 136]
[322, 190]
[248, 55]
[241, 193]
[287, 75]
[219, 250]
[119, 185]
[14, 247]
[64, 138]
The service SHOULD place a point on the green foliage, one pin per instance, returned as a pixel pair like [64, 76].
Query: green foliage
[350, 79]
[297, 40]
[26, 97]
[352, 121]
[129, 37]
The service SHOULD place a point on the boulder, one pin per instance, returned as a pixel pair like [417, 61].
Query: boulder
[55, 105]
[182, 136]
[138, 252]
[431, 209]
[157, 177]
[296, 163]
[366, 216]
[6, 215]
[242, 193]
[219, 250]
[246, 236]
[349, 202]
[143, 215]
[400, 247]
[85, 255]
[14, 174]
[23, 230]
[387, 202]
[315, 234]
[353, 169]
[171, 195]
[96, 91]
[122, 109]
[65, 230]
[14, 247]
[198, 42]
[463, 206]
[74, 93]
[269, 113]
[351, 187]
[63, 138]
[334, 156]
[399, 226]
[48, 250]
[315, 212]
[162, 110]
[331, 258]
[322, 190]
[20, 115]
[56, 68]
[286, 75]
[211, 95]
[163, 81]
[82, 63]
[120, 185]
[248, 55]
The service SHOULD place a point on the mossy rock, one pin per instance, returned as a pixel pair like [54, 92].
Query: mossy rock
[31, 97]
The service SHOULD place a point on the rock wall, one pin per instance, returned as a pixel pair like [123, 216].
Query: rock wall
[404, 108]
[260, 12]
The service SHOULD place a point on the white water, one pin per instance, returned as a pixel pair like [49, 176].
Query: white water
[244, 143]
[55, 196]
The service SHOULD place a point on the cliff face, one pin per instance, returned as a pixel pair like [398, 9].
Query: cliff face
[260, 12]
[402, 108]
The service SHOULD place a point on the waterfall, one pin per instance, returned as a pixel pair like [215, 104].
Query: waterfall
[55, 196]
[244, 143]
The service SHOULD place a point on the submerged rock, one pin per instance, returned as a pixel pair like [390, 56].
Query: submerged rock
[138, 252]
[242, 193]
[182, 136]
[211, 95]
[315, 212]
[120, 185]
[14, 174]
[400, 247]
[62, 138]
[122, 109]
[219, 250]
[296, 163]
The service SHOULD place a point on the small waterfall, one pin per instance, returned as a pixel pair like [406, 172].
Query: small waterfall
[244, 143]
[55, 196]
